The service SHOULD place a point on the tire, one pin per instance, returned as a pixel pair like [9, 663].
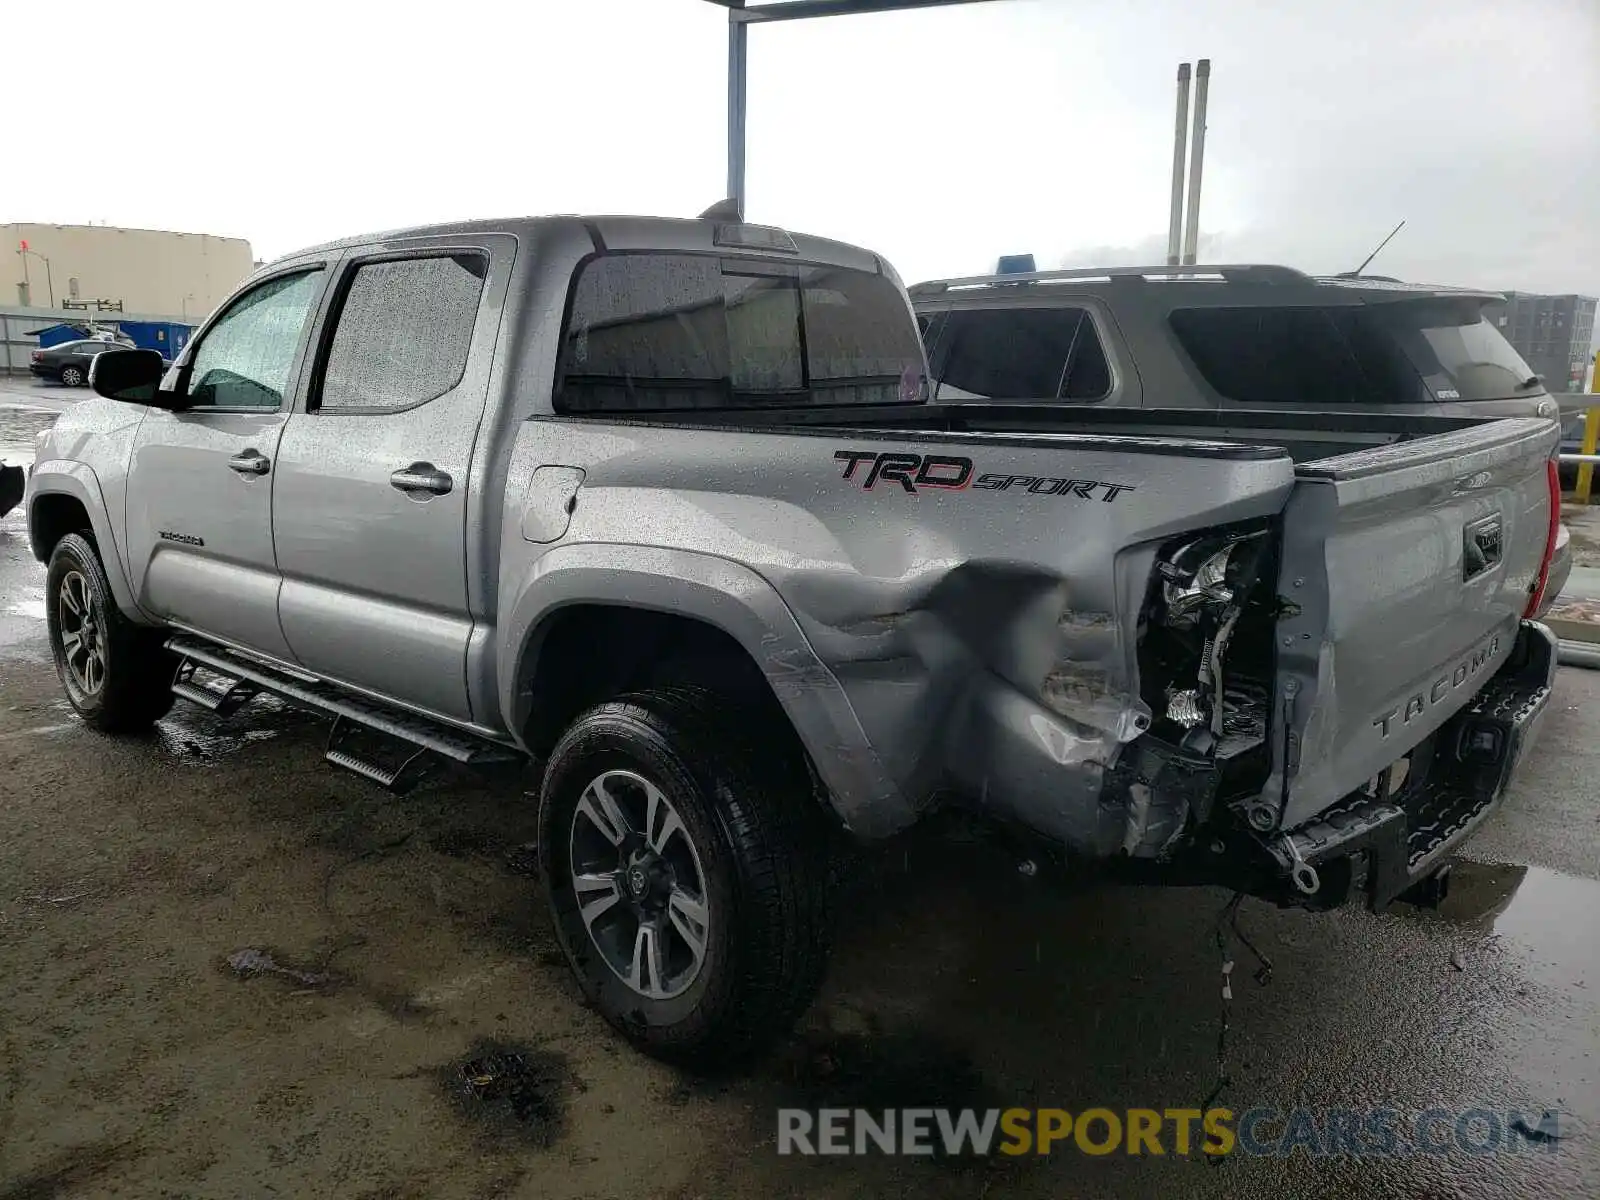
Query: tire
[758, 854]
[73, 376]
[116, 674]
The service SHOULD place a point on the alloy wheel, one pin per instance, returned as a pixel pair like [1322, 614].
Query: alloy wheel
[83, 634]
[640, 885]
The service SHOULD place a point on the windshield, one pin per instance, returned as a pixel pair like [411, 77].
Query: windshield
[656, 332]
[1394, 353]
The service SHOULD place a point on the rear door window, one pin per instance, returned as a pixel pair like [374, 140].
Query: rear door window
[1050, 354]
[663, 332]
[403, 333]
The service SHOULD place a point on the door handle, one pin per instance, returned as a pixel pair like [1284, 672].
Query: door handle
[250, 462]
[422, 477]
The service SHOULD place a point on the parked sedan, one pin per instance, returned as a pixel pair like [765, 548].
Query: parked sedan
[68, 362]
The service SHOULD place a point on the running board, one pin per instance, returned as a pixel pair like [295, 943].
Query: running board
[343, 736]
[224, 702]
[246, 678]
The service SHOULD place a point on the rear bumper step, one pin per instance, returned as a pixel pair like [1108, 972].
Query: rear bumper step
[1404, 840]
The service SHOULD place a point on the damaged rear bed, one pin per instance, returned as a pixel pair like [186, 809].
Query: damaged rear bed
[1234, 648]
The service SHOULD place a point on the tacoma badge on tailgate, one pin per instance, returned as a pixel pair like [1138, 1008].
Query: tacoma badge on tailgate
[1421, 702]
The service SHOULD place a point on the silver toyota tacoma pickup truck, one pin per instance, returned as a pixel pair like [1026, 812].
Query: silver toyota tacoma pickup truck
[664, 507]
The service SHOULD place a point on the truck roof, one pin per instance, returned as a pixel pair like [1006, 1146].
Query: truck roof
[1275, 281]
[619, 232]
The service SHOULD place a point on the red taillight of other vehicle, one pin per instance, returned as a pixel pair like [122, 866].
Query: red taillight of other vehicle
[38, 356]
[1553, 481]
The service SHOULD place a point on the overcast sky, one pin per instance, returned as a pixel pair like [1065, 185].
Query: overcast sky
[940, 138]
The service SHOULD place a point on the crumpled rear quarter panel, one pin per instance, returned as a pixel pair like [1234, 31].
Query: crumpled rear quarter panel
[984, 634]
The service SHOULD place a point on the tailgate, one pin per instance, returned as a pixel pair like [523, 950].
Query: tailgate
[1405, 572]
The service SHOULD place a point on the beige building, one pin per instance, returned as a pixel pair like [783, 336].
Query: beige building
[151, 271]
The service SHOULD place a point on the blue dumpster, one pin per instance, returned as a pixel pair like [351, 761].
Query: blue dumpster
[167, 338]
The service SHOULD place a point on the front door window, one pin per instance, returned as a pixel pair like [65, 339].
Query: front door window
[244, 360]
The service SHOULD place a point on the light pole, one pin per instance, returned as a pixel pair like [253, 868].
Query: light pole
[741, 15]
[50, 283]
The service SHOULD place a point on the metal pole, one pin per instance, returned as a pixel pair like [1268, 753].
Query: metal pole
[27, 284]
[1175, 222]
[1197, 158]
[1577, 654]
[49, 281]
[738, 61]
[801, 10]
[741, 15]
[1591, 441]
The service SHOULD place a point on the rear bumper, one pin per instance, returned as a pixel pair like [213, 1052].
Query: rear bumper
[1395, 843]
[1560, 571]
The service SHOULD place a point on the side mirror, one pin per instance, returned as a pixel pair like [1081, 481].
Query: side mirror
[132, 376]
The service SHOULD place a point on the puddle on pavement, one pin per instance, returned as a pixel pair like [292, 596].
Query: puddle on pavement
[882, 1070]
[18, 428]
[512, 1091]
[195, 735]
[878, 1069]
[1543, 915]
[22, 616]
[254, 963]
[475, 841]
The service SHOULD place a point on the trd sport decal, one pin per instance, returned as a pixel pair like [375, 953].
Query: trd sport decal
[910, 471]
[949, 472]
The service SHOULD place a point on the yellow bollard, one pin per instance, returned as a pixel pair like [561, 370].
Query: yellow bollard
[1591, 438]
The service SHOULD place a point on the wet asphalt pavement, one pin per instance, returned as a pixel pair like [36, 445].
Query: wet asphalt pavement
[227, 969]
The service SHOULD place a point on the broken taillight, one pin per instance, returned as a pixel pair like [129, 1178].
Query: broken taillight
[1553, 482]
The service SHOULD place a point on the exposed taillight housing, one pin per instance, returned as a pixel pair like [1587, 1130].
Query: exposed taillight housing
[38, 356]
[1553, 482]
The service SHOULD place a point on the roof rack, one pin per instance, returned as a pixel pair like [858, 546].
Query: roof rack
[1228, 272]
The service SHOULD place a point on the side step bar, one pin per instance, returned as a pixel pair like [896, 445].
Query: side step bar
[246, 678]
[224, 703]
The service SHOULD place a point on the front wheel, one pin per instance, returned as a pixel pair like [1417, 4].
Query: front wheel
[685, 864]
[116, 674]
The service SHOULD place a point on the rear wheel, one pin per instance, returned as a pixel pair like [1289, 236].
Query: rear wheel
[116, 674]
[686, 866]
[72, 376]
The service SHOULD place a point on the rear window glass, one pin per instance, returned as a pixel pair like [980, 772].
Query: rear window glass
[1307, 355]
[1462, 356]
[657, 332]
[1016, 354]
[1391, 353]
